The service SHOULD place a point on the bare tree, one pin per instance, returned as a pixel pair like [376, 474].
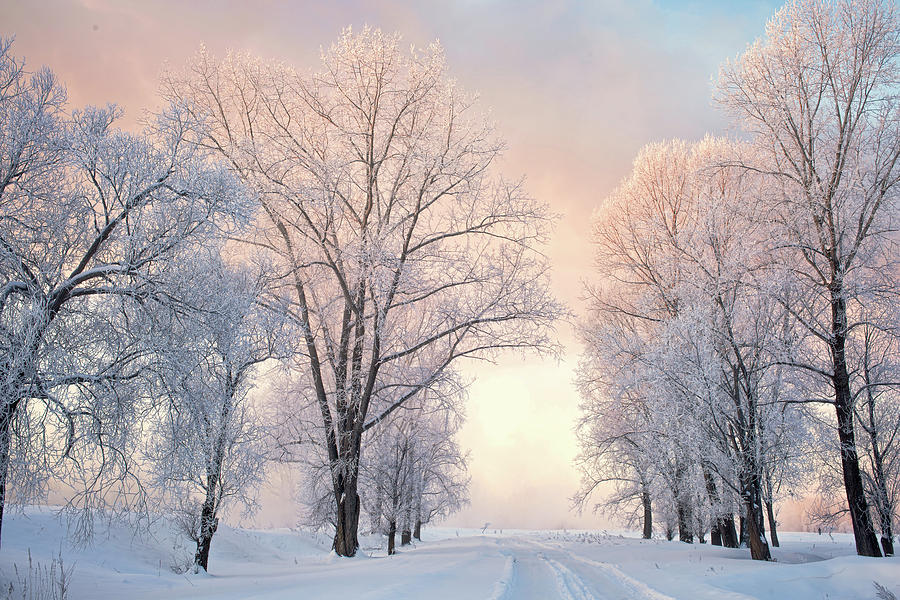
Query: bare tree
[397, 244]
[684, 345]
[819, 94]
[879, 419]
[207, 443]
[88, 217]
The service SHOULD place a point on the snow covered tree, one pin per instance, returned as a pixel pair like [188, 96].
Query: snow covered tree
[396, 241]
[414, 471]
[207, 443]
[89, 215]
[872, 358]
[819, 95]
[878, 415]
[683, 320]
[615, 425]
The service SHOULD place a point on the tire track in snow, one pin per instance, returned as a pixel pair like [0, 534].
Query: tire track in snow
[635, 589]
[638, 589]
[570, 585]
[504, 585]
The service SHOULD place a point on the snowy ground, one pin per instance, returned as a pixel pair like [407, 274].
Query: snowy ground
[449, 563]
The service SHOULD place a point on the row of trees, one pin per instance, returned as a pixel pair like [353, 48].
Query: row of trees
[746, 285]
[340, 235]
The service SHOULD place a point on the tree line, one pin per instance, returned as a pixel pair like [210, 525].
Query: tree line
[742, 338]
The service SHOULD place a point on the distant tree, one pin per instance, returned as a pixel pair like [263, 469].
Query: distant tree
[613, 429]
[414, 467]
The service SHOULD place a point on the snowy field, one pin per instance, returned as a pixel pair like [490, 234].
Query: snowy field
[448, 563]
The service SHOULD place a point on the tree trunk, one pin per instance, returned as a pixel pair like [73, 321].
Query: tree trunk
[5, 443]
[648, 515]
[715, 533]
[759, 547]
[882, 501]
[375, 519]
[346, 542]
[715, 536]
[208, 525]
[863, 532]
[753, 519]
[406, 535]
[683, 509]
[887, 539]
[417, 531]
[728, 531]
[684, 526]
[770, 511]
[392, 535]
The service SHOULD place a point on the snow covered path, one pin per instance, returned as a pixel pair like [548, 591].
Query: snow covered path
[512, 568]
[449, 564]
[544, 571]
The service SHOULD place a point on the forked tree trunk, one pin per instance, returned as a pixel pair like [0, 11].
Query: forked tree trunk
[770, 511]
[863, 532]
[648, 515]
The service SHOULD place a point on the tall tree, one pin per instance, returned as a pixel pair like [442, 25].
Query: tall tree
[819, 94]
[396, 242]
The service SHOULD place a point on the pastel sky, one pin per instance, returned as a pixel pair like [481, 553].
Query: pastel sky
[576, 88]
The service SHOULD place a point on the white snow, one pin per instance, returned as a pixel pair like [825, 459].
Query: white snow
[449, 563]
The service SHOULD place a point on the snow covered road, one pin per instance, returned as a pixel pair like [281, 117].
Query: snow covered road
[509, 568]
[544, 571]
